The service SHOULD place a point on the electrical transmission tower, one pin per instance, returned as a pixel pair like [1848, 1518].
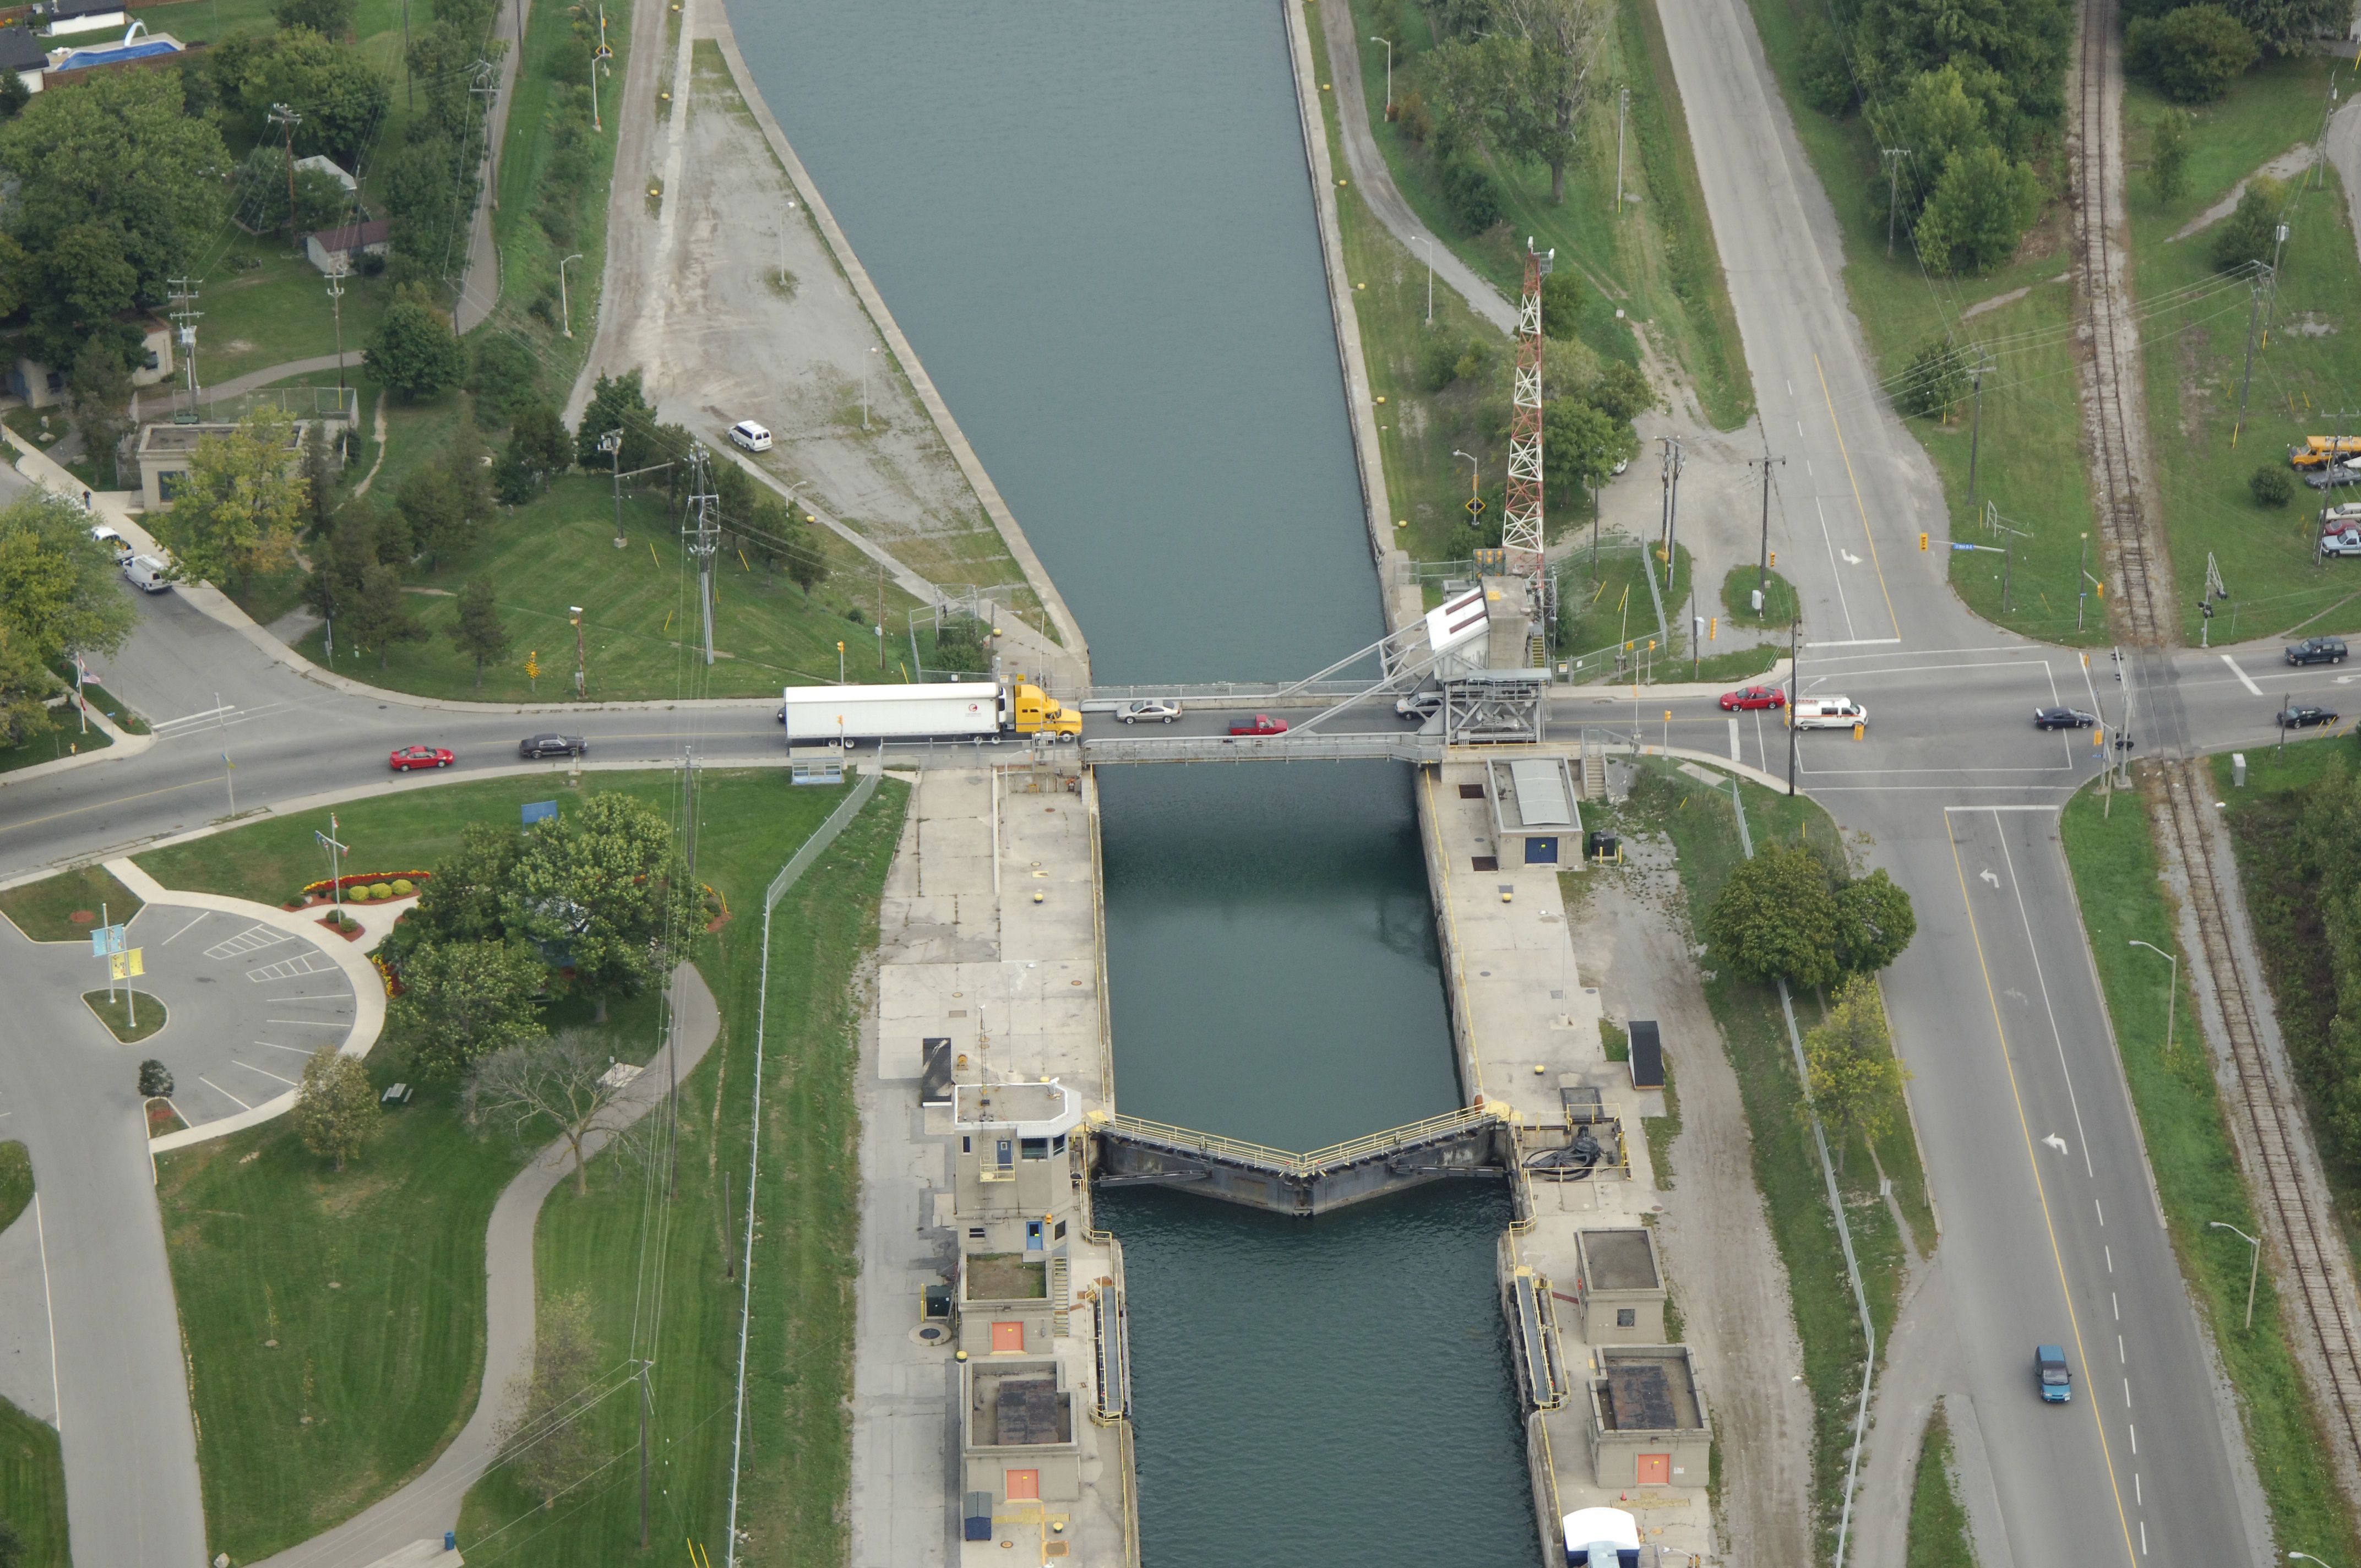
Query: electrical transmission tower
[183, 292]
[1520, 515]
[703, 530]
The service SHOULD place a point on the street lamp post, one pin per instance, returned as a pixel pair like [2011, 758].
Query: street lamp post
[1389, 73]
[564, 306]
[2171, 996]
[2254, 1267]
[1427, 242]
[1474, 482]
[2304, 1557]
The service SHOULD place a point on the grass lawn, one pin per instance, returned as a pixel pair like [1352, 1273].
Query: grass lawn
[639, 622]
[43, 910]
[266, 305]
[797, 1459]
[1659, 264]
[1705, 834]
[1938, 1525]
[16, 1182]
[2031, 464]
[63, 740]
[2114, 869]
[1738, 599]
[130, 1015]
[33, 1486]
[2306, 369]
[387, 1365]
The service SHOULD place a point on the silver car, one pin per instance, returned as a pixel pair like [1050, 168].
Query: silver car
[1150, 709]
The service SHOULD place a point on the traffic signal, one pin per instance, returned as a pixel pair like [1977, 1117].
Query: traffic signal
[1713, 629]
[1775, 558]
[1922, 542]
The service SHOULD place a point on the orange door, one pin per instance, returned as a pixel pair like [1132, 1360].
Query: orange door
[1007, 1339]
[1024, 1485]
[1655, 1469]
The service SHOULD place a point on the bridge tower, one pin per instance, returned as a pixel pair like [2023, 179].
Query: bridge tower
[1520, 517]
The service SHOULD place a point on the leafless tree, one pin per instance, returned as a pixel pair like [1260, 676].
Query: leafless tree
[546, 1441]
[564, 1082]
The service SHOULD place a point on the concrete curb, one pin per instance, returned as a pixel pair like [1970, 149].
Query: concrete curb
[369, 990]
[970, 464]
[123, 744]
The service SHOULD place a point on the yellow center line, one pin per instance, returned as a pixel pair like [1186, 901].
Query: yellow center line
[1867, 533]
[2041, 1190]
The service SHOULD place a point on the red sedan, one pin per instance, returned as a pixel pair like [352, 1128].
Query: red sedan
[411, 757]
[1752, 698]
[1261, 724]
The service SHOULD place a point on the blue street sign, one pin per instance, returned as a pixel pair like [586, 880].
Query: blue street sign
[107, 940]
[539, 811]
[1963, 547]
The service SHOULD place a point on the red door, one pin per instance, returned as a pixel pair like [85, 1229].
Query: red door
[1655, 1469]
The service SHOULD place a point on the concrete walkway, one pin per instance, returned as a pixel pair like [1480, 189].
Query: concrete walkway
[2342, 145]
[429, 1506]
[479, 286]
[1377, 182]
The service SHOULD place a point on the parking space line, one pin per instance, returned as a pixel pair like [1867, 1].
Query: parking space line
[265, 1071]
[314, 1023]
[1733, 739]
[186, 930]
[297, 1050]
[2245, 679]
[225, 1093]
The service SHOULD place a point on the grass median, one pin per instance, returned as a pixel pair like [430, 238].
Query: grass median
[33, 1487]
[1704, 832]
[45, 910]
[798, 1443]
[1938, 1525]
[2113, 862]
[371, 1280]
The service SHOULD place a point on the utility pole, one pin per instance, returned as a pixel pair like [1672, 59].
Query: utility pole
[2271, 309]
[612, 444]
[2081, 576]
[1427, 242]
[336, 304]
[704, 534]
[1976, 425]
[1893, 157]
[581, 665]
[183, 295]
[409, 84]
[1763, 561]
[2254, 319]
[1794, 687]
[1622, 108]
[565, 305]
[1675, 459]
[280, 114]
[644, 1456]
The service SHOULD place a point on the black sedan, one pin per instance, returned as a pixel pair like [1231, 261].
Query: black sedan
[2063, 718]
[2308, 715]
[553, 746]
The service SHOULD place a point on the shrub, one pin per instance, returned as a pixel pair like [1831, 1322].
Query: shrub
[2250, 234]
[1935, 383]
[1980, 208]
[2272, 485]
[380, 890]
[358, 892]
[401, 888]
[1473, 195]
[2191, 54]
[1828, 76]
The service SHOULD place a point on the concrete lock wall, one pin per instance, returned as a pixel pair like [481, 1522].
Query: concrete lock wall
[1615, 1458]
[1481, 1150]
[978, 1319]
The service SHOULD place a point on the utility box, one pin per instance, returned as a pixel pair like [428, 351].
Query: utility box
[2238, 770]
[1618, 1287]
[1647, 1055]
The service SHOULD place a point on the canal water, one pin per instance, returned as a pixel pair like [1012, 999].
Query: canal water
[1095, 224]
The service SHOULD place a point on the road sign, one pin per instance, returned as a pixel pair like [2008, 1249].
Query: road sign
[123, 966]
[1476, 506]
[1956, 545]
[539, 811]
[107, 940]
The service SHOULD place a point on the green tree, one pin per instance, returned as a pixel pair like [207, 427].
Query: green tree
[1621, 390]
[100, 389]
[58, 592]
[329, 19]
[1875, 922]
[1855, 1081]
[319, 481]
[507, 375]
[2168, 155]
[1562, 302]
[377, 616]
[2271, 485]
[478, 631]
[462, 1000]
[2250, 234]
[412, 350]
[2191, 54]
[2289, 27]
[86, 279]
[155, 1079]
[429, 190]
[238, 510]
[538, 442]
[1581, 444]
[335, 1106]
[1980, 208]
[1935, 117]
[119, 152]
[461, 901]
[1935, 383]
[1776, 918]
[604, 890]
[263, 186]
[618, 402]
[429, 502]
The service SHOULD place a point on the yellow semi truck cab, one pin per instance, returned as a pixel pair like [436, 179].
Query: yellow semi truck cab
[1032, 711]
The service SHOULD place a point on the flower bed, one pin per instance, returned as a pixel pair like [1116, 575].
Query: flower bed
[363, 887]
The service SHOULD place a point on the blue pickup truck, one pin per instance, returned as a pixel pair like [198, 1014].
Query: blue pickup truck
[2050, 1374]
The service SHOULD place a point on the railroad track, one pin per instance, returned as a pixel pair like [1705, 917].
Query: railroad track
[2282, 1164]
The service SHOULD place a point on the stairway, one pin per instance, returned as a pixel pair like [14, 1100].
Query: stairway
[1061, 1298]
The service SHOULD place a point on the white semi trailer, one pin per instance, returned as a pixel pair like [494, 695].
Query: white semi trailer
[960, 711]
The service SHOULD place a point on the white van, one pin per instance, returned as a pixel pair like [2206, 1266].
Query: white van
[751, 436]
[149, 572]
[1829, 713]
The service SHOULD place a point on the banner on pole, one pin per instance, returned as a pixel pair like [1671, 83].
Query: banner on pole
[123, 966]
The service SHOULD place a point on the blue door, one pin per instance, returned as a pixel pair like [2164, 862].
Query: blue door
[1032, 1236]
[1540, 852]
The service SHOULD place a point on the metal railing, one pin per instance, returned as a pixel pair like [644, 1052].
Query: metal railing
[1367, 746]
[1215, 1146]
[1226, 691]
[822, 837]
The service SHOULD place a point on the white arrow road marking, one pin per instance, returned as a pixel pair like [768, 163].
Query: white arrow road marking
[2245, 679]
[1850, 558]
[2055, 1141]
[1989, 877]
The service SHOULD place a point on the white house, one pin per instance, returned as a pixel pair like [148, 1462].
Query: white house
[83, 15]
[337, 250]
[21, 52]
[328, 166]
[40, 387]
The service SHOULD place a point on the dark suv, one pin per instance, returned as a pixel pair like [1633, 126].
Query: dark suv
[553, 746]
[2317, 650]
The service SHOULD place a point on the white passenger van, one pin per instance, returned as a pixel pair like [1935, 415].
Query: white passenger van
[751, 436]
[1829, 713]
[146, 573]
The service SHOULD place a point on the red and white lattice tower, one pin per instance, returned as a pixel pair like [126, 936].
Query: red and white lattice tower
[1520, 517]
